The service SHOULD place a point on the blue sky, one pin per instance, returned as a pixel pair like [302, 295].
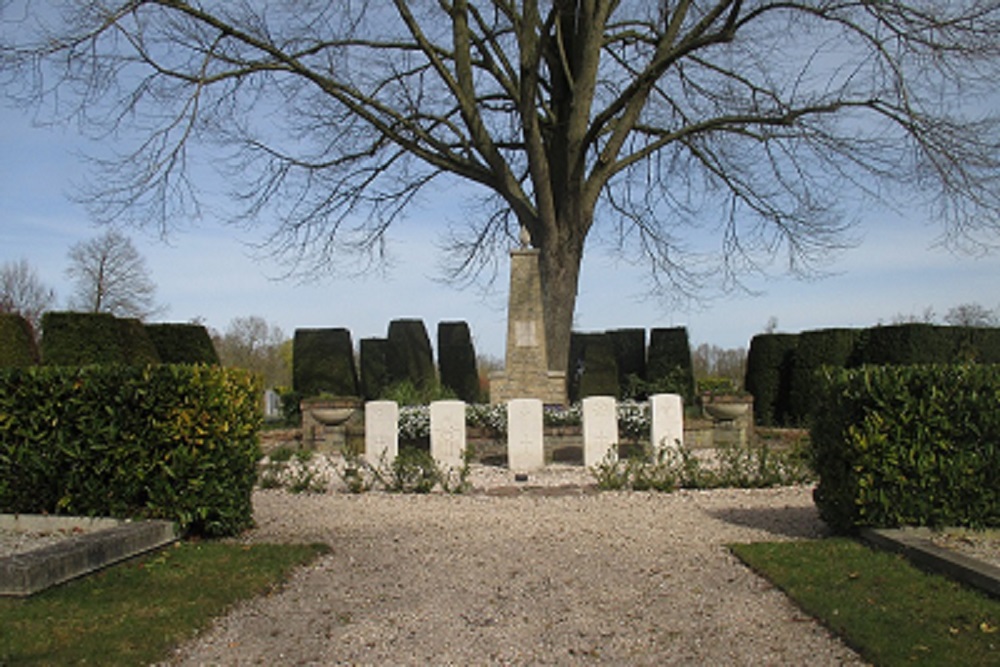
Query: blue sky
[210, 272]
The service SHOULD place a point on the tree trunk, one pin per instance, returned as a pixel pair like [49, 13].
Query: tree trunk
[559, 265]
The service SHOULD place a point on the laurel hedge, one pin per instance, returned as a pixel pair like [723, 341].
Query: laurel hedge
[177, 442]
[908, 445]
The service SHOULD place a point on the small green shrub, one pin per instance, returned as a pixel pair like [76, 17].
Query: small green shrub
[908, 445]
[407, 394]
[668, 468]
[413, 471]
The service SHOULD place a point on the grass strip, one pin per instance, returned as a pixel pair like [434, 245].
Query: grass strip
[135, 612]
[885, 608]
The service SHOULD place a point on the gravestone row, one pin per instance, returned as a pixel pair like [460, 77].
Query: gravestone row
[525, 426]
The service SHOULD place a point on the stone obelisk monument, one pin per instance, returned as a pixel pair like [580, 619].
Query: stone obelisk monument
[526, 371]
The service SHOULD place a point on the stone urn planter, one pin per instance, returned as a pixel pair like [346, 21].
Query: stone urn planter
[727, 407]
[325, 421]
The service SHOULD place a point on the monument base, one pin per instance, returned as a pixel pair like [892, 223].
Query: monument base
[548, 386]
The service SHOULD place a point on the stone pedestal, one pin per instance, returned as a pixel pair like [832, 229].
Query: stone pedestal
[526, 371]
[326, 422]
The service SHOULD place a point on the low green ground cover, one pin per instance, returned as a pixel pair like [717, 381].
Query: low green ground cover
[133, 613]
[891, 612]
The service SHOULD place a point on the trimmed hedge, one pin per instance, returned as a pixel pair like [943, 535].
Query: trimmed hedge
[79, 339]
[457, 360]
[182, 343]
[323, 363]
[907, 344]
[409, 357]
[908, 445]
[17, 342]
[600, 367]
[769, 364]
[177, 442]
[630, 355]
[669, 366]
[813, 350]
[374, 369]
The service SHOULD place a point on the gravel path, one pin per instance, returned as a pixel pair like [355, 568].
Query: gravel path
[558, 575]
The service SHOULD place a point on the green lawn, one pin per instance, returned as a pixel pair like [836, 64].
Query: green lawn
[889, 611]
[133, 613]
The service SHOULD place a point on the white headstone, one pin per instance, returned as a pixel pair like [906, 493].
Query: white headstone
[600, 429]
[381, 432]
[525, 448]
[667, 416]
[448, 433]
[272, 404]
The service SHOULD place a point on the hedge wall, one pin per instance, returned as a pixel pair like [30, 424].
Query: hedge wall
[630, 355]
[780, 367]
[323, 363]
[909, 445]
[78, 339]
[813, 350]
[457, 360]
[17, 342]
[409, 357]
[668, 366]
[374, 369]
[173, 442]
[600, 367]
[769, 364]
[182, 343]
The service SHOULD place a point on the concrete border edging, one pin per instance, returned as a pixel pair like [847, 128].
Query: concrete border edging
[111, 541]
[925, 554]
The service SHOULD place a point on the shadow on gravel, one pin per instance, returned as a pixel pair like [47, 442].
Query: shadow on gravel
[794, 522]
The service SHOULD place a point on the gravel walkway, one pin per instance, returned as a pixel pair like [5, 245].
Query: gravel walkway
[558, 575]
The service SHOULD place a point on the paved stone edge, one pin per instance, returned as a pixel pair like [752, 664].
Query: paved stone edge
[25, 574]
[925, 554]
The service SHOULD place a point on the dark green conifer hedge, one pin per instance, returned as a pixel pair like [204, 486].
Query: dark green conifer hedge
[78, 339]
[182, 343]
[409, 357]
[17, 342]
[457, 360]
[323, 363]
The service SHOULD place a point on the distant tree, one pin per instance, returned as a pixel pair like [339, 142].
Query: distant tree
[972, 315]
[254, 344]
[928, 316]
[714, 361]
[23, 293]
[111, 277]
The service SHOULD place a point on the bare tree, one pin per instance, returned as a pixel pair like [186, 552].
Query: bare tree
[111, 277]
[749, 123]
[22, 292]
[254, 344]
[971, 315]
